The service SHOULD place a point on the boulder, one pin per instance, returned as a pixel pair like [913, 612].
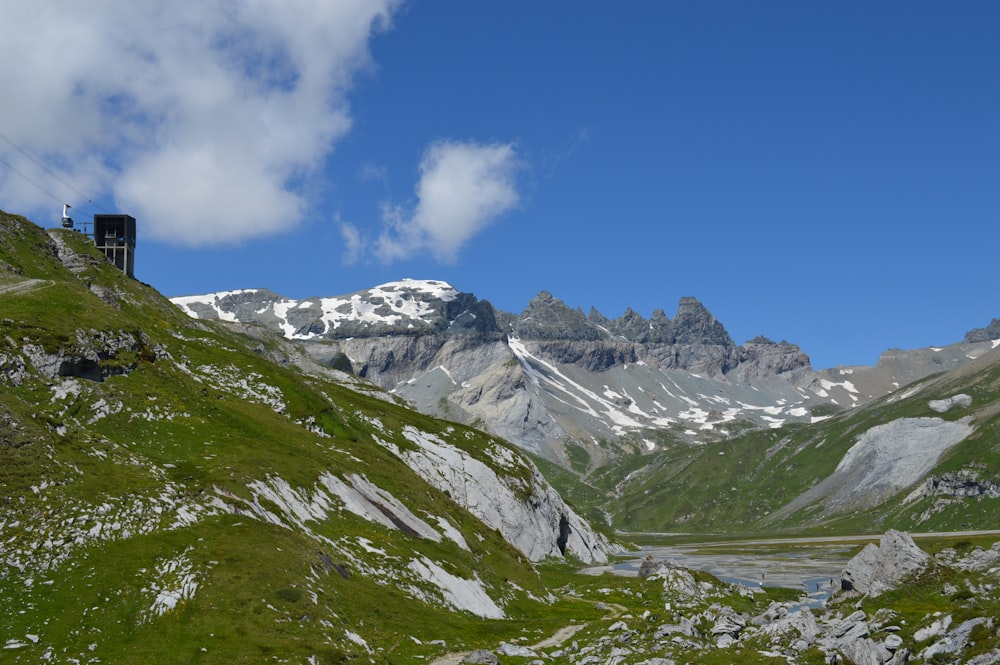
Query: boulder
[729, 623]
[482, 657]
[508, 649]
[878, 569]
[648, 566]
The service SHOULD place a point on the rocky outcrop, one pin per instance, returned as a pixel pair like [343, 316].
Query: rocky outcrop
[877, 569]
[761, 357]
[95, 356]
[481, 657]
[990, 332]
[521, 504]
[693, 324]
[593, 356]
[548, 318]
[966, 484]
[945, 405]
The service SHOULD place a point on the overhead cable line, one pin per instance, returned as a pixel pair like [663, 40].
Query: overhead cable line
[42, 166]
[42, 189]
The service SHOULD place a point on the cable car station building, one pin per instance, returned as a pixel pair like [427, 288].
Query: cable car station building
[115, 236]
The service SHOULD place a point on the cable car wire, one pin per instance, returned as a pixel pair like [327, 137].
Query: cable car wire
[42, 189]
[42, 166]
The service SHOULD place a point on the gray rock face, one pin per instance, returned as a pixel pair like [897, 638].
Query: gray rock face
[482, 657]
[886, 459]
[875, 570]
[593, 356]
[944, 405]
[529, 513]
[693, 324]
[95, 356]
[760, 358]
[547, 317]
[990, 332]
[965, 484]
[956, 640]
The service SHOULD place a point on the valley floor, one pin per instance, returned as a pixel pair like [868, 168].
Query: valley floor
[807, 563]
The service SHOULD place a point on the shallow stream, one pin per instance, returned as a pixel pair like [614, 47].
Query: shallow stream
[811, 565]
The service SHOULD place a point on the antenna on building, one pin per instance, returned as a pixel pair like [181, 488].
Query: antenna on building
[67, 221]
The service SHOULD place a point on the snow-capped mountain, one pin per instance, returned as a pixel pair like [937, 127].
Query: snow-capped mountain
[553, 376]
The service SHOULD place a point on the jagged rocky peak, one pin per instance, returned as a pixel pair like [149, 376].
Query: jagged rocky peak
[986, 334]
[631, 325]
[694, 324]
[595, 318]
[548, 318]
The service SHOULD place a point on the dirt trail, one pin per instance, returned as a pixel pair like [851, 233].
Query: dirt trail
[23, 286]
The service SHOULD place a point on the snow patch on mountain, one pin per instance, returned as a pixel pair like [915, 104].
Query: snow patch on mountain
[212, 301]
[407, 301]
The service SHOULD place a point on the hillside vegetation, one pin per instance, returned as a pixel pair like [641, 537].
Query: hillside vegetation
[174, 491]
[924, 458]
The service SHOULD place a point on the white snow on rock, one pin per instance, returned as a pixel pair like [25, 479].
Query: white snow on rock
[390, 303]
[210, 300]
[468, 595]
[529, 514]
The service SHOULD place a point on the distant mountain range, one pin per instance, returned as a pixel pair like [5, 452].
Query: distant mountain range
[569, 385]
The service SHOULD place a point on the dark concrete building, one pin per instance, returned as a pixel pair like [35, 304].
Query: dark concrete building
[115, 236]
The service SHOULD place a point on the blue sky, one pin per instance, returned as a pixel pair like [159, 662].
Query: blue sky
[824, 173]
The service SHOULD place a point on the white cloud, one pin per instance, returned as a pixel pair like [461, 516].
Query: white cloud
[195, 117]
[354, 245]
[463, 187]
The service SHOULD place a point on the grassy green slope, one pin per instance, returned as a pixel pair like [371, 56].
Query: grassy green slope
[737, 486]
[130, 526]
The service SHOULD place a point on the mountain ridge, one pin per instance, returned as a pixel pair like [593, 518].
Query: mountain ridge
[580, 379]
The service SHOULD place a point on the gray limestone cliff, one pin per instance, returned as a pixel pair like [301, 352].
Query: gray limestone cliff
[990, 332]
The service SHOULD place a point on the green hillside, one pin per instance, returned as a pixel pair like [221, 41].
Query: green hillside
[172, 491]
[763, 481]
